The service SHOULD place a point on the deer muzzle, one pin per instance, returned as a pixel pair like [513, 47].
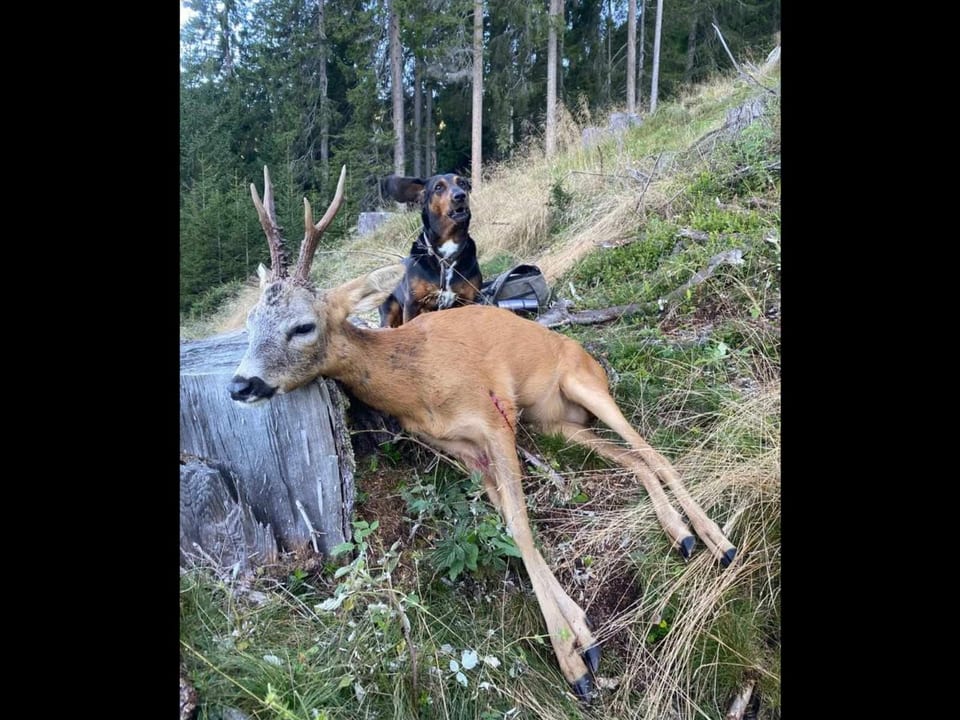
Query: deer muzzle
[249, 390]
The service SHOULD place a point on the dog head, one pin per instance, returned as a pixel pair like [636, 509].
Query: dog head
[446, 205]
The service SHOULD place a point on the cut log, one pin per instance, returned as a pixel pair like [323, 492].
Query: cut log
[295, 447]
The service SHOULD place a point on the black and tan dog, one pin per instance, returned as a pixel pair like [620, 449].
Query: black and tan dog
[442, 269]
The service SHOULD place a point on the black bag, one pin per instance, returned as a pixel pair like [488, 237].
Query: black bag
[521, 289]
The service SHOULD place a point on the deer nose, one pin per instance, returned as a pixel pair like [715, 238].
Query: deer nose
[249, 389]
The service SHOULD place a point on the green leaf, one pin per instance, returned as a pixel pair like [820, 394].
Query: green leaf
[507, 547]
[471, 560]
[455, 569]
[341, 548]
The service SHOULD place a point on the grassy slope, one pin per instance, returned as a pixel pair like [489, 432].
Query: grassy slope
[702, 384]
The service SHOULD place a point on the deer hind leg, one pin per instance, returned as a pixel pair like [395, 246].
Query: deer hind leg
[590, 392]
[670, 520]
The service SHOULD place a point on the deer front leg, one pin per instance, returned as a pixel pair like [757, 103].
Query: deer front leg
[573, 643]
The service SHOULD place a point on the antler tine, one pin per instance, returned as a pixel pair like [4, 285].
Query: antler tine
[268, 221]
[312, 233]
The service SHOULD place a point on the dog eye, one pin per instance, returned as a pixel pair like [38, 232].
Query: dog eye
[304, 329]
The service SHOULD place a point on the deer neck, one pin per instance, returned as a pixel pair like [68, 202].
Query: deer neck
[378, 366]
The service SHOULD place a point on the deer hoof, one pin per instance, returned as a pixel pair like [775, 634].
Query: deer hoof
[583, 688]
[592, 658]
[686, 546]
[728, 557]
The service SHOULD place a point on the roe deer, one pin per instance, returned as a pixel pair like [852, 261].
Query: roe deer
[459, 379]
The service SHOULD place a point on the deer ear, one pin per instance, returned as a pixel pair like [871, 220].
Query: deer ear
[365, 293]
[376, 287]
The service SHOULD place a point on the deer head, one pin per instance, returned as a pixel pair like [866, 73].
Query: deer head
[289, 327]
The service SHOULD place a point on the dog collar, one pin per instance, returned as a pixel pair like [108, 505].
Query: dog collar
[447, 297]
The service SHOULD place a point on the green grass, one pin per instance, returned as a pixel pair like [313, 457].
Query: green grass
[700, 383]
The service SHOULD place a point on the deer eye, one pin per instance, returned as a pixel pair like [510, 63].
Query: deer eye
[304, 329]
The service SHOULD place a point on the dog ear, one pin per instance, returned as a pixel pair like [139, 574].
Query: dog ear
[415, 190]
[402, 189]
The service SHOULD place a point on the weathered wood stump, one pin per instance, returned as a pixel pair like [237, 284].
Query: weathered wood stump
[215, 528]
[288, 460]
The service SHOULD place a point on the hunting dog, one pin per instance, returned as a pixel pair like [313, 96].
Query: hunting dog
[442, 269]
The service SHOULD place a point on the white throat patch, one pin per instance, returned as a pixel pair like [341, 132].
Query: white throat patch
[449, 248]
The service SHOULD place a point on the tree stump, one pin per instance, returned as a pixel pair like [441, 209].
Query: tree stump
[215, 528]
[288, 460]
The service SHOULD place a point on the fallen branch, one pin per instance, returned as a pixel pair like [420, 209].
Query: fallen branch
[696, 235]
[559, 314]
[630, 176]
[699, 236]
[535, 462]
[740, 70]
[656, 166]
[306, 520]
[752, 202]
[749, 168]
[739, 705]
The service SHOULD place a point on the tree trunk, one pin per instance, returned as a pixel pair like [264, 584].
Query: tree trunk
[643, 53]
[551, 130]
[430, 161]
[655, 80]
[289, 460]
[396, 81]
[691, 45]
[608, 83]
[476, 150]
[632, 56]
[324, 112]
[417, 115]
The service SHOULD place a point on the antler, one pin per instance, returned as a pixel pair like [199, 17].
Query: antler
[312, 233]
[268, 221]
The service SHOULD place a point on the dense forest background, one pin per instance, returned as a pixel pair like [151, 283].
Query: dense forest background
[305, 86]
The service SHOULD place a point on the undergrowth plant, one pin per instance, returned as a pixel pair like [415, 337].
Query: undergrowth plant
[471, 533]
